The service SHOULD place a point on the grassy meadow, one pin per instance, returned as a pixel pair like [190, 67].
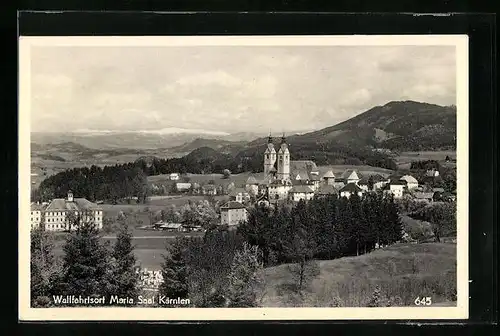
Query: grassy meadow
[149, 245]
[403, 272]
[404, 159]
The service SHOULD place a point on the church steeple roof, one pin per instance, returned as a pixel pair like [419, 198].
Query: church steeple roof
[270, 138]
[283, 139]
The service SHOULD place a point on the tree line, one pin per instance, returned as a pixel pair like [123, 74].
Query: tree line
[323, 228]
[94, 183]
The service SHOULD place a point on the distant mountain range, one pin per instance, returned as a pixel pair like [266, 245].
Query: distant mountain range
[396, 126]
[137, 140]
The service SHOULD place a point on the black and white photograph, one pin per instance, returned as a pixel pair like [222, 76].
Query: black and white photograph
[327, 174]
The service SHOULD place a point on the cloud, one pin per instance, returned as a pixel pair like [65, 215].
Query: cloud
[230, 89]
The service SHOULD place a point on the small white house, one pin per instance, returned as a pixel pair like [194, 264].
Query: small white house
[174, 176]
[411, 182]
[183, 186]
[36, 215]
[350, 189]
[329, 178]
[432, 172]
[232, 213]
[278, 190]
[301, 192]
[396, 188]
[240, 195]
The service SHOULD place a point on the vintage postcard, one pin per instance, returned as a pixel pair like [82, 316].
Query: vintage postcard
[243, 178]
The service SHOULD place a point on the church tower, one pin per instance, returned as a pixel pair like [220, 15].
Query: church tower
[283, 161]
[269, 156]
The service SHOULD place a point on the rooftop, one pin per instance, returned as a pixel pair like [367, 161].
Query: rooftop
[232, 205]
[252, 180]
[329, 174]
[301, 189]
[363, 181]
[378, 178]
[409, 179]
[351, 187]
[61, 204]
[397, 182]
[36, 207]
[327, 190]
[423, 195]
[351, 174]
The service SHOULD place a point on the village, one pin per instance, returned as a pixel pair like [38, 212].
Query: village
[282, 180]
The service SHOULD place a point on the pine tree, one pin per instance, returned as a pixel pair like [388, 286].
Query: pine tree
[358, 227]
[86, 262]
[125, 279]
[393, 224]
[174, 271]
[301, 247]
[244, 278]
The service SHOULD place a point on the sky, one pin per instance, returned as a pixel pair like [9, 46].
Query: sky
[229, 89]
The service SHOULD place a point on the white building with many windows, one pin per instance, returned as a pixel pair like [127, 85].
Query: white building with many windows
[232, 213]
[301, 192]
[61, 212]
[36, 215]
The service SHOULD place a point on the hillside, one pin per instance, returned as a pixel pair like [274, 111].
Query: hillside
[223, 146]
[403, 272]
[397, 125]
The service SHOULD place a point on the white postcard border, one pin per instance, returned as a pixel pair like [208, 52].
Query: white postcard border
[26, 313]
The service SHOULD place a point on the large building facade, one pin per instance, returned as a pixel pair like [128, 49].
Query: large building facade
[63, 214]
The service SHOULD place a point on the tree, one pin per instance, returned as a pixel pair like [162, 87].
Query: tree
[244, 277]
[43, 267]
[441, 215]
[201, 214]
[376, 299]
[226, 173]
[174, 271]
[125, 279]
[301, 248]
[86, 262]
[370, 183]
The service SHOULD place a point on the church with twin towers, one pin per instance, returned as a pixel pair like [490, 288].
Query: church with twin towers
[277, 164]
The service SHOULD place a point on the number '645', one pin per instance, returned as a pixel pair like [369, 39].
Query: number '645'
[424, 301]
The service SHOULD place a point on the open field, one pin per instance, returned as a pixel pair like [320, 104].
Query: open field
[156, 203]
[149, 246]
[239, 180]
[402, 270]
[404, 159]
